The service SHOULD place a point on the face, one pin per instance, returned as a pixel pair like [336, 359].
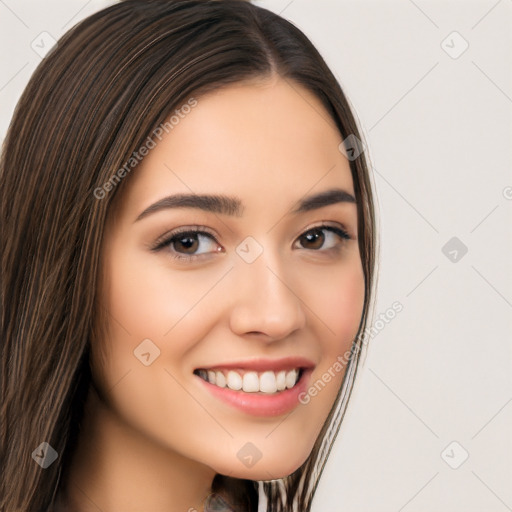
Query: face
[227, 325]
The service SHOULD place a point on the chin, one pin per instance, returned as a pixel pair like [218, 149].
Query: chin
[278, 465]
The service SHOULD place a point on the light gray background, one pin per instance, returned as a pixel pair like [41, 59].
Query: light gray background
[438, 131]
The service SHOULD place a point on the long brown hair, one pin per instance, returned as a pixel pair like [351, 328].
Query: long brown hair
[93, 100]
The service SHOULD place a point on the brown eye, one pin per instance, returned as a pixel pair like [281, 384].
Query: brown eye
[315, 238]
[190, 243]
[184, 244]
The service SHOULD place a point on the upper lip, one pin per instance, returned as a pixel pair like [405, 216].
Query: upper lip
[262, 364]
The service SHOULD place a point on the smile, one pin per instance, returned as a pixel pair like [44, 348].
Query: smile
[268, 382]
[259, 387]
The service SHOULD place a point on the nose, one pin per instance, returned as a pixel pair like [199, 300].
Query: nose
[265, 302]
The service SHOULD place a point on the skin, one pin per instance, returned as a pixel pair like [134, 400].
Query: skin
[156, 438]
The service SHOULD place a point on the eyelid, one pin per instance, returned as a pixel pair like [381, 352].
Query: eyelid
[329, 224]
[161, 241]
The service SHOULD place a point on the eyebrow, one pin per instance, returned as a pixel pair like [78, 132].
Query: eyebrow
[232, 205]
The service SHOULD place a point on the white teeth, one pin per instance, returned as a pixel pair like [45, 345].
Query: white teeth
[291, 378]
[281, 380]
[220, 380]
[268, 382]
[252, 382]
[234, 381]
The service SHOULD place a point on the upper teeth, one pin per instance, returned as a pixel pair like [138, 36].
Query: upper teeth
[252, 382]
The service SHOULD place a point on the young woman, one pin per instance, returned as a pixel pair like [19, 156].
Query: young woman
[188, 250]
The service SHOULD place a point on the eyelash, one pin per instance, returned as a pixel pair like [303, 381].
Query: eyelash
[178, 234]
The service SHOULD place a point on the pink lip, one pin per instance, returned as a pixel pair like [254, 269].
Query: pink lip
[262, 364]
[262, 404]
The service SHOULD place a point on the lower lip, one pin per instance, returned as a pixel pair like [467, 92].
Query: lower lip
[262, 404]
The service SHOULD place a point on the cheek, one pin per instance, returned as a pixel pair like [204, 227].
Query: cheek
[339, 306]
[151, 309]
[148, 302]
[336, 301]
[340, 303]
[149, 299]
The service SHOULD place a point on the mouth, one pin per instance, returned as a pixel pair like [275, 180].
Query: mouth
[247, 381]
[261, 388]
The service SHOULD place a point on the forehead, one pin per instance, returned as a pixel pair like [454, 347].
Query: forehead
[266, 142]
